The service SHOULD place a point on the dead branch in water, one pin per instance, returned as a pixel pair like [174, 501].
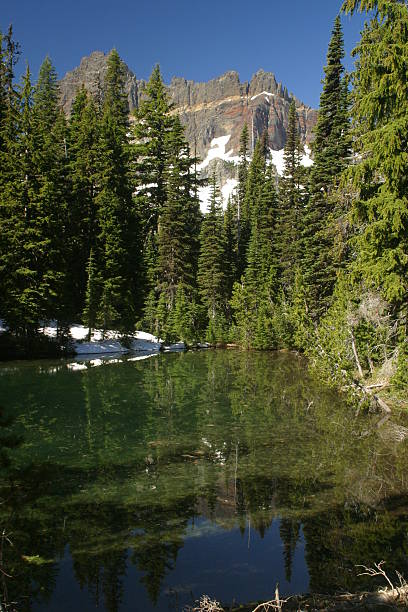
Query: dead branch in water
[205, 604]
[399, 592]
[391, 598]
[274, 604]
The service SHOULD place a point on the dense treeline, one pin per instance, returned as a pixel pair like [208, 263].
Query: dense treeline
[100, 217]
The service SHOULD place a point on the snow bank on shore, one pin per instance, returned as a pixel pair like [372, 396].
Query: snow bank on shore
[105, 343]
[110, 342]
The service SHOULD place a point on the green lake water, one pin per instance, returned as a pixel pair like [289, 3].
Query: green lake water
[141, 484]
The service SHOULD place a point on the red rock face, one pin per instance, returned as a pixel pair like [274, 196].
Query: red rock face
[222, 106]
[219, 107]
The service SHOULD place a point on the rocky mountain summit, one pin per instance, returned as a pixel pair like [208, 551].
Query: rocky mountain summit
[91, 73]
[222, 106]
[213, 113]
[207, 110]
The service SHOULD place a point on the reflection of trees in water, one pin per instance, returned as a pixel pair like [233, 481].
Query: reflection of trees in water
[289, 532]
[8, 442]
[241, 437]
[344, 537]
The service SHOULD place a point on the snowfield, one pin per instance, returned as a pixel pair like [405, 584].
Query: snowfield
[217, 151]
[279, 162]
[267, 94]
[227, 190]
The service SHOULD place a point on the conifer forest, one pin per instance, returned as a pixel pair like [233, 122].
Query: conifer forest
[203, 399]
[100, 218]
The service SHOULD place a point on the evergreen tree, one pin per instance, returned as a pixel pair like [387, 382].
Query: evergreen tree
[243, 215]
[331, 149]
[10, 124]
[250, 193]
[51, 193]
[253, 298]
[231, 254]
[380, 125]
[36, 202]
[9, 96]
[83, 143]
[2, 88]
[187, 317]
[152, 125]
[92, 295]
[117, 241]
[211, 266]
[261, 190]
[299, 319]
[178, 231]
[179, 220]
[292, 198]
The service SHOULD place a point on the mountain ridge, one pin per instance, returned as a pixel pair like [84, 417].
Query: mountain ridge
[207, 109]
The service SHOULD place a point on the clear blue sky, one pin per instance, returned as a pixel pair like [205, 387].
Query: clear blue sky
[194, 39]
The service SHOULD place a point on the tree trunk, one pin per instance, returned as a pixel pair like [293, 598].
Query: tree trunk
[353, 345]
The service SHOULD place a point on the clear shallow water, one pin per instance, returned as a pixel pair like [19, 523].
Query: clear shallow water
[141, 485]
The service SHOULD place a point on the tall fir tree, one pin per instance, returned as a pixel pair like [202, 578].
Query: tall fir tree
[331, 148]
[117, 242]
[11, 180]
[92, 294]
[9, 98]
[83, 145]
[243, 214]
[380, 124]
[39, 200]
[211, 266]
[179, 226]
[254, 295]
[231, 244]
[152, 125]
[262, 254]
[292, 199]
[379, 176]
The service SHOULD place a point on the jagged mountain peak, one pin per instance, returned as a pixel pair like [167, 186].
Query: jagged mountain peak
[210, 111]
[91, 73]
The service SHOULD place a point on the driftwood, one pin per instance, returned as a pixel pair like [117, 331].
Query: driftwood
[380, 402]
[386, 599]
[391, 598]
[379, 385]
[357, 360]
[367, 391]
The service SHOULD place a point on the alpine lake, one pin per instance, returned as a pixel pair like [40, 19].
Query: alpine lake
[140, 483]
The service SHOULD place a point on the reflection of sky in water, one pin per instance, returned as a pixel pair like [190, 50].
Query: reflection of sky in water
[212, 561]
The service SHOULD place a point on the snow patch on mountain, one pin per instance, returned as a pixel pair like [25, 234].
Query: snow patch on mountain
[217, 151]
[204, 195]
[279, 161]
[227, 190]
[263, 93]
[307, 161]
